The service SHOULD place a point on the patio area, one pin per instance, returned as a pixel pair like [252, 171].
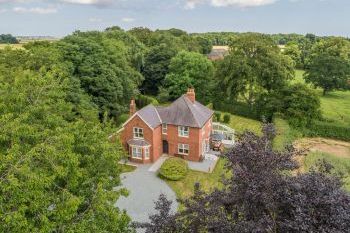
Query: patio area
[208, 164]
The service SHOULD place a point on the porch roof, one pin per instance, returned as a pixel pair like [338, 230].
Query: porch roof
[138, 142]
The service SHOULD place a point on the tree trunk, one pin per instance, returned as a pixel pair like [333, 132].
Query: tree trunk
[324, 91]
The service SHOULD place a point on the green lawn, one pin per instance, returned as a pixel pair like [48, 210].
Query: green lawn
[208, 181]
[126, 168]
[335, 107]
[341, 165]
[241, 124]
[285, 134]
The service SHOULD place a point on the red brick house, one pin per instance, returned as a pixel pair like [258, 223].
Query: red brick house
[180, 129]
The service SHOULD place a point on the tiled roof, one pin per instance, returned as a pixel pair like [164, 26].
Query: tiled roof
[138, 142]
[183, 112]
[150, 115]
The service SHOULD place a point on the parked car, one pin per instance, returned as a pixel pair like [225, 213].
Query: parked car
[216, 142]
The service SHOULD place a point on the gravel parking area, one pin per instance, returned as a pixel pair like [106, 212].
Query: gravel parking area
[144, 187]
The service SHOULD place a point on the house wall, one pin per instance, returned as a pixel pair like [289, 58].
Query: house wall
[195, 139]
[155, 138]
[148, 134]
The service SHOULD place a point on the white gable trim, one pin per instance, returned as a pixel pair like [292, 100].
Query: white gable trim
[133, 116]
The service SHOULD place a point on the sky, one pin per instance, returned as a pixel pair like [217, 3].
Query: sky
[61, 17]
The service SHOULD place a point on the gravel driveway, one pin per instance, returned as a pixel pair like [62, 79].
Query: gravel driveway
[144, 187]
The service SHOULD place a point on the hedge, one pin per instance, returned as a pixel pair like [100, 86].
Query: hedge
[174, 169]
[328, 130]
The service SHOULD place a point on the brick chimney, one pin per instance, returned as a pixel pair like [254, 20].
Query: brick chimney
[132, 110]
[191, 95]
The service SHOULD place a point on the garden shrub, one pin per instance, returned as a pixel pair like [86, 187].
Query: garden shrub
[217, 116]
[227, 118]
[174, 169]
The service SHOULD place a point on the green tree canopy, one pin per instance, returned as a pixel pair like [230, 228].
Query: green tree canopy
[156, 67]
[292, 50]
[101, 65]
[190, 69]
[57, 170]
[254, 66]
[329, 65]
[297, 103]
[8, 39]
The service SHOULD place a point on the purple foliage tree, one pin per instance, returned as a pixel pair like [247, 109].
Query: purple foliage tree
[261, 195]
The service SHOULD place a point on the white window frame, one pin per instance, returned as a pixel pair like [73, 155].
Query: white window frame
[147, 152]
[137, 132]
[138, 150]
[164, 128]
[181, 149]
[183, 132]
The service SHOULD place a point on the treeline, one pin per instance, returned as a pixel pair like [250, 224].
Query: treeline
[8, 39]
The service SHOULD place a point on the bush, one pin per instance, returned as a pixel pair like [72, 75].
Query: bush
[174, 169]
[217, 116]
[227, 118]
[328, 130]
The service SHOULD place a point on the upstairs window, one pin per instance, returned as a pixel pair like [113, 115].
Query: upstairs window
[183, 131]
[138, 132]
[164, 128]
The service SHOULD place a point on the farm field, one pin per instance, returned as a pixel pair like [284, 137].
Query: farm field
[15, 46]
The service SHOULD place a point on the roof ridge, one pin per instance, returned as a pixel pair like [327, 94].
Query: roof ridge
[188, 105]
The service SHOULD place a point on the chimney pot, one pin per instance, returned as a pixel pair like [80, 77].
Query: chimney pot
[191, 95]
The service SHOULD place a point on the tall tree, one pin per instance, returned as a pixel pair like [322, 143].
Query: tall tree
[292, 50]
[254, 65]
[100, 63]
[190, 69]
[57, 171]
[156, 67]
[297, 103]
[329, 65]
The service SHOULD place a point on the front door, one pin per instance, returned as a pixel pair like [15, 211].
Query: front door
[165, 147]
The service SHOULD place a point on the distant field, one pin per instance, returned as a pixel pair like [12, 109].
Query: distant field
[335, 106]
[16, 46]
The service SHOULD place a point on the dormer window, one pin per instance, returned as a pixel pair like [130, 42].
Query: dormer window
[138, 132]
[184, 131]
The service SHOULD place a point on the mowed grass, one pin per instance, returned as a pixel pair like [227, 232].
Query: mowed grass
[341, 165]
[208, 181]
[335, 107]
[126, 168]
